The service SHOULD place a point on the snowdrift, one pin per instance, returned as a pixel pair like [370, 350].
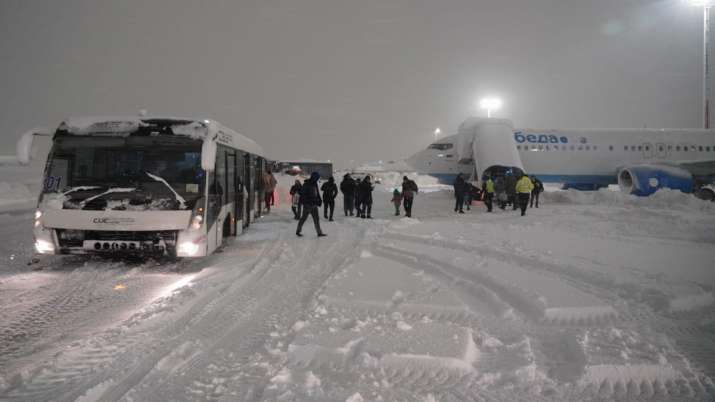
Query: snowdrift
[663, 198]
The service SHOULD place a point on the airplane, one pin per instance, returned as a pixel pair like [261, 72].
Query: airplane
[640, 161]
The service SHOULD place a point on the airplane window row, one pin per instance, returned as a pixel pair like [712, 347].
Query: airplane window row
[662, 148]
[557, 147]
[640, 148]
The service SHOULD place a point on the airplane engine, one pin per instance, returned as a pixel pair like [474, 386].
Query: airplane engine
[647, 179]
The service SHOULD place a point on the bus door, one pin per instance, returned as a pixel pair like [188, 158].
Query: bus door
[232, 194]
[248, 185]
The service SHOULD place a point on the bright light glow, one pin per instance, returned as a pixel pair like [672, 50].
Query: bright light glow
[490, 104]
[188, 248]
[38, 223]
[437, 131]
[119, 287]
[38, 214]
[196, 222]
[44, 247]
[700, 3]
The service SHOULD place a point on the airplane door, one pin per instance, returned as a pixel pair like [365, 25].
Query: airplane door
[661, 150]
[647, 150]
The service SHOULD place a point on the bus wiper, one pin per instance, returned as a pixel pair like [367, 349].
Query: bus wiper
[109, 191]
[182, 201]
[81, 188]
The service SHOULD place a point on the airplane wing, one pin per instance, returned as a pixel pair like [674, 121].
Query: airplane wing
[699, 168]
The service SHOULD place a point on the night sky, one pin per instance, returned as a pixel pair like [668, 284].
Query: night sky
[351, 80]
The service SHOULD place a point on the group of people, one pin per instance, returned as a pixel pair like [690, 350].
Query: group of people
[357, 199]
[516, 190]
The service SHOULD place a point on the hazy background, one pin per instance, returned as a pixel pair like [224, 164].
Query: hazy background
[351, 80]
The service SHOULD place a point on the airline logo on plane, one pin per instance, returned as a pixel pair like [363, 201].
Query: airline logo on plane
[521, 138]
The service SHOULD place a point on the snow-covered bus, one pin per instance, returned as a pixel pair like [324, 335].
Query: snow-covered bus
[145, 186]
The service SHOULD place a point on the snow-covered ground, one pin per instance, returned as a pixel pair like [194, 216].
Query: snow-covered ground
[593, 296]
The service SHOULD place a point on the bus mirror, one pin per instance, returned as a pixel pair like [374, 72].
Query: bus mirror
[24, 144]
[208, 155]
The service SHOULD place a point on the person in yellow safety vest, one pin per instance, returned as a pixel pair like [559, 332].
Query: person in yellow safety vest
[523, 191]
[488, 191]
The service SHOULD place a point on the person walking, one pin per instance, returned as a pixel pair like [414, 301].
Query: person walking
[510, 183]
[365, 190]
[500, 191]
[459, 189]
[358, 199]
[538, 189]
[295, 199]
[409, 190]
[347, 187]
[330, 191]
[310, 201]
[397, 201]
[470, 193]
[488, 193]
[523, 189]
[269, 186]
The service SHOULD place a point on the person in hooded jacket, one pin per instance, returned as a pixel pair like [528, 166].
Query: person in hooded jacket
[460, 186]
[269, 187]
[295, 199]
[365, 189]
[538, 189]
[523, 189]
[330, 191]
[409, 190]
[347, 187]
[310, 201]
[358, 199]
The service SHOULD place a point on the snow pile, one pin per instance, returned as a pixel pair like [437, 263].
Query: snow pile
[663, 198]
[425, 183]
[11, 193]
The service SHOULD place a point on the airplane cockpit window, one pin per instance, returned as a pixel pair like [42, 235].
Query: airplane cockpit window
[441, 147]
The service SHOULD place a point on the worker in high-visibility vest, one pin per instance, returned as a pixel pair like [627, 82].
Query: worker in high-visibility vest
[488, 191]
[523, 191]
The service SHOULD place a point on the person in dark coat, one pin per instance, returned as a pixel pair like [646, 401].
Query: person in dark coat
[330, 191]
[460, 186]
[347, 187]
[409, 190]
[500, 191]
[358, 200]
[365, 189]
[295, 199]
[310, 201]
[510, 183]
[538, 189]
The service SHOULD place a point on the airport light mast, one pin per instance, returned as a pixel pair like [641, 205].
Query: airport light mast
[705, 4]
[490, 104]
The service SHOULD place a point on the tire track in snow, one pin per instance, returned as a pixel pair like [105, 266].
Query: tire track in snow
[70, 375]
[279, 294]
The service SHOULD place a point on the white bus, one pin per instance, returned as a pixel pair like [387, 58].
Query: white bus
[147, 186]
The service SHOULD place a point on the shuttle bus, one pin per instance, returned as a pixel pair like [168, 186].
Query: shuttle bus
[148, 186]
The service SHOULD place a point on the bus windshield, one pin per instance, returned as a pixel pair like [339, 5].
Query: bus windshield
[147, 168]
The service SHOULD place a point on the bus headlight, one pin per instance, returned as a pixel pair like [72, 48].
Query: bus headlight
[38, 220]
[188, 248]
[44, 246]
